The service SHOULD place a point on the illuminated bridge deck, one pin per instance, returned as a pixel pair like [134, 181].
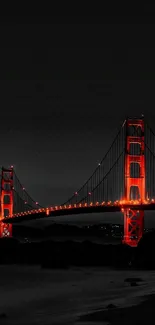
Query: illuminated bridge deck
[81, 208]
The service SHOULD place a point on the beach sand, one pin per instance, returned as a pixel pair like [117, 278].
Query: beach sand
[30, 295]
[141, 314]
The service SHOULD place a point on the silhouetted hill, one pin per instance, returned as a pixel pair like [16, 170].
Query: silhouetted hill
[145, 254]
[62, 230]
[21, 231]
[50, 253]
[55, 229]
[9, 248]
[53, 254]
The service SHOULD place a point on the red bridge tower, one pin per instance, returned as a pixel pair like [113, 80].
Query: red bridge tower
[134, 219]
[6, 200]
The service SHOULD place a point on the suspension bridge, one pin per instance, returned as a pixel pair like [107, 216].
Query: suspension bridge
[123, 181]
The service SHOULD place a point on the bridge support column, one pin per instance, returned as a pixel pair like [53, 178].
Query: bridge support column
[133, 226]
[5, 230]
[6, 201]
[134, 219]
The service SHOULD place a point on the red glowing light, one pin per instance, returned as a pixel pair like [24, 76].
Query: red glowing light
[6, 206]
[131, 223]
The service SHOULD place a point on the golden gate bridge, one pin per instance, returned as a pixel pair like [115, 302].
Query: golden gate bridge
[124, 181]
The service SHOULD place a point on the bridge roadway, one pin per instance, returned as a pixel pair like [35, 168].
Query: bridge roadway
[79, 209]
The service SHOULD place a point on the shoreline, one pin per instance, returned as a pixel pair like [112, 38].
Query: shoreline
[141, 313]
[32, 295]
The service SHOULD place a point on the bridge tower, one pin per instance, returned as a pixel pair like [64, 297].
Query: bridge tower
[6, 200]
[133, 218]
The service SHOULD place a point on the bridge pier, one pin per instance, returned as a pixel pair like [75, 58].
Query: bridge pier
[6, 201]
[5, 230]
[133, 226]
[134, 219]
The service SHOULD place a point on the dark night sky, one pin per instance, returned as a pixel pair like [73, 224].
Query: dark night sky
[66, 85]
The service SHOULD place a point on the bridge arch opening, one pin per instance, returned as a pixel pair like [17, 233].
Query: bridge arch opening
[6, 199]
[7, 186]
[135, 149]
[6, 213]
[134, 193]
[135, 170]
[135, 130]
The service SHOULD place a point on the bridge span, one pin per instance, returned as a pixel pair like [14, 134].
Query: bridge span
[123, 181]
